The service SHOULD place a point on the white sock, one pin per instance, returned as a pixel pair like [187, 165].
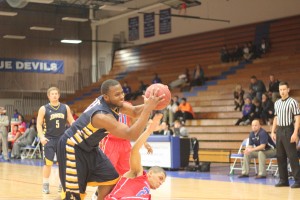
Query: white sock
[45, 180]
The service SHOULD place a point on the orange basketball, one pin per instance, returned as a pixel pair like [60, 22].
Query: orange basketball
[163, 89]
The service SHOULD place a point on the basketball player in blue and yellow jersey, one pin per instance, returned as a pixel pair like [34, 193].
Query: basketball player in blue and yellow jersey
[51, 124]
[81, 161]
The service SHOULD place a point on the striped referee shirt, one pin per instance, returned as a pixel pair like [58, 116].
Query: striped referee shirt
[285, 110]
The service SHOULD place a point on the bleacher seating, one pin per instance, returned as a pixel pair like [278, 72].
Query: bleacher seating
[214, 127]
[213, 103]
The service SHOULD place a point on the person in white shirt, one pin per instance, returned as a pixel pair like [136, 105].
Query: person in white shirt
[169, 112]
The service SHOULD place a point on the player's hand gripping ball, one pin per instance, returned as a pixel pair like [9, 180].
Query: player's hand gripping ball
[163, 89]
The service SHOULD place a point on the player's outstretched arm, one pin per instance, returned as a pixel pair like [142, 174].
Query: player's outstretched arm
[136, 168]
[132, 111]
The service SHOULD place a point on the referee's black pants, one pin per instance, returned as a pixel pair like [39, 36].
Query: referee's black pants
[286, 149]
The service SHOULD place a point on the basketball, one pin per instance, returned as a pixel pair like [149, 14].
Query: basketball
[163, 89]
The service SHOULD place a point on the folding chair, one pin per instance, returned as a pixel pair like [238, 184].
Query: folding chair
[32, 150]
[239, 158]
[272, 166]
[276, 172]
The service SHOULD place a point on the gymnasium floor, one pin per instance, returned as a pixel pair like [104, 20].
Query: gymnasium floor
[21, 179]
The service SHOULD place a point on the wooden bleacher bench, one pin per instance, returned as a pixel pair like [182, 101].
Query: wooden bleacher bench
[212, 156]
[214, 107]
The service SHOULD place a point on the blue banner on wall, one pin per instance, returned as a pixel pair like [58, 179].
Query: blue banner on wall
[149, 26]
[133, 28]
[31, 65]
[165, 21]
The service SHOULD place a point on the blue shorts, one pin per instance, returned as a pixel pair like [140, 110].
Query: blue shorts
[79, 168]
[49, 150]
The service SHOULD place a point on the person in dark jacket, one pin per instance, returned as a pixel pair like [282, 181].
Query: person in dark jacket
[274, 88]
[256, 88]
[257, 109]
[267, 113]
[247, 110]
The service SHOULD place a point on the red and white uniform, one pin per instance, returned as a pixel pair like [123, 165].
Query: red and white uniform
[117, 149]
[131, 189]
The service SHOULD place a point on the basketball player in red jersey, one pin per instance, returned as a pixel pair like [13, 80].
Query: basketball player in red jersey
[136, 183]
[118, 149]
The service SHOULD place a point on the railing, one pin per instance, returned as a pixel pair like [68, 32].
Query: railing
[28, 102]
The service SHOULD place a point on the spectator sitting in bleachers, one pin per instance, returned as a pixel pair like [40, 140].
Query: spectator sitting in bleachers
[274, 88]
[176, 100]
[26, 139]
[238, 95]
[16, 114]
[252, 50]
[169, 112]
[224, 54]
[263, 47]
[187, 74]
[267, 113]
[163, 129]
[184, 111]
[198, 76]
[256, 112]
[127, 91]
[187, 85]
[237, 53]
[179, 129]
[181, 81]
[140, 91]
[156, 79]
[247, 110]
[256, 88]
[174, 107]
[246, 52]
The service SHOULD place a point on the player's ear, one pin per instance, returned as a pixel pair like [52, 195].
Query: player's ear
[106, 97]
[150, 173]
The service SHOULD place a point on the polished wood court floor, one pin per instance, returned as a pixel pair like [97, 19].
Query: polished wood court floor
[19, 181]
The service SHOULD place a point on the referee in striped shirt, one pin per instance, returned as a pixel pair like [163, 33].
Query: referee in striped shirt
[286, 113]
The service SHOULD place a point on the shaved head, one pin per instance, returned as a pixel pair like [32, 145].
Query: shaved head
[255, 125]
